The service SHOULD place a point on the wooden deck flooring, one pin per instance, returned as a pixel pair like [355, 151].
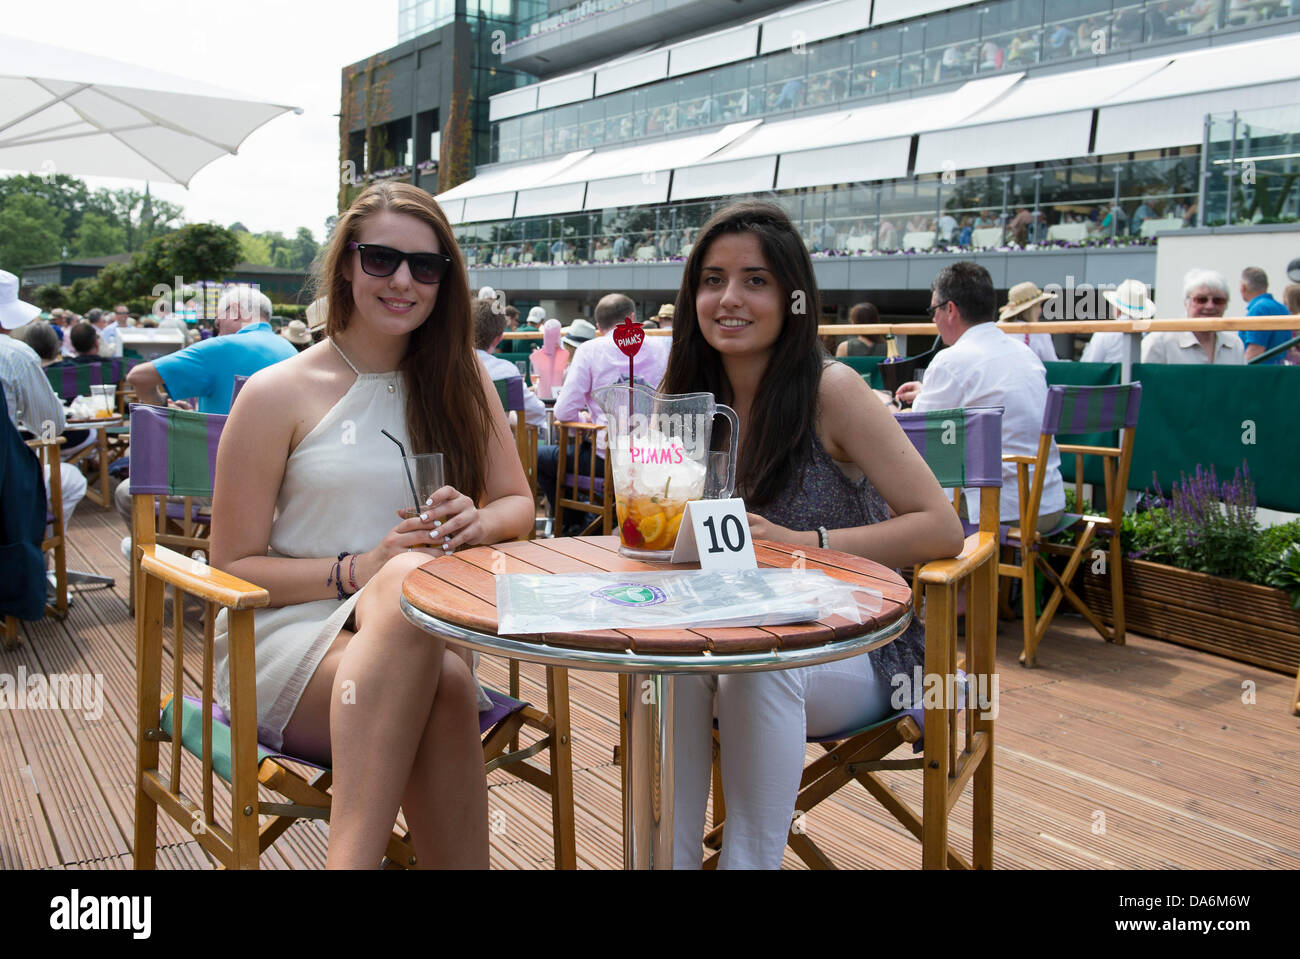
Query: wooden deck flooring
[1142, 756]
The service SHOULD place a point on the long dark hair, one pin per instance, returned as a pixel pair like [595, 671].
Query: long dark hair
[786, 402]
[446, 409]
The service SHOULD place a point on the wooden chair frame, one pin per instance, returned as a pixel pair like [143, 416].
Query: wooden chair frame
[48, 452]
[604, 507]
[1116, 461]
[952, 756]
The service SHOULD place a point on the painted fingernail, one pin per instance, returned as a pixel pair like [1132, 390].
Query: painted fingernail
[424, 517]
[446, 547]
[434, 534]
[437, 523]
[429, 501]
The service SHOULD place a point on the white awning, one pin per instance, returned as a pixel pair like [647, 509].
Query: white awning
[728, 178]
[543, 201]
[810, 24]
[1062, 92]
[554, 93]
[498, 206]
[632, 72]
[1236, 65]
[1012, 141]
[653, 156]
[1180, 121]
[713, 50]
[632, 190]
[878, 160]
[454, 210]
[512, 103]
[519, 176]
[887, 11]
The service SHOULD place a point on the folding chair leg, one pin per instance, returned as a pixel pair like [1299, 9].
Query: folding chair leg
[148, 659]
[557, 696]
[1117, 588]
[11, 634]
[1029, 655]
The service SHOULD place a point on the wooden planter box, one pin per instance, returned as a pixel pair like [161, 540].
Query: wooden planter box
[1253, 624]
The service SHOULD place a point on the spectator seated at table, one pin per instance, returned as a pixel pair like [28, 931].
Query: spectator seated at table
[42, 338]
[1205, 297]
[1259, 302]
[33, 405]
[821, 463]
[306, 502]
[595, 364]
[489, 326]
[982, 366]
[243, 345]
[1129, 301]
[86, 344]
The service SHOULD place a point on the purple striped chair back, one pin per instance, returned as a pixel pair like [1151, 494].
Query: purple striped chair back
[511, 391]
[173, 452]
[1091, 409]
[239, 385]
[71, 379]
[961, 447]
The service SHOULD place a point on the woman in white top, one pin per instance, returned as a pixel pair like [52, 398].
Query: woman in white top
[306, 505]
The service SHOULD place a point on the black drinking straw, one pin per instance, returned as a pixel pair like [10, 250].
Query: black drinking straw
[406, 466]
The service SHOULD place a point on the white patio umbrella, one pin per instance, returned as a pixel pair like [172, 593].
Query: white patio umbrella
[62, 111]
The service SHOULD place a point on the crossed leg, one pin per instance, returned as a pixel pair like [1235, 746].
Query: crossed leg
[396, 714]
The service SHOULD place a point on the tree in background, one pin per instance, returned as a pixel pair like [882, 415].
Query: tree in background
[31, 232]
[98, 235]
[51, 296]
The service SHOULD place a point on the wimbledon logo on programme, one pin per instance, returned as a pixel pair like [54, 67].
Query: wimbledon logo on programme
[631, 594]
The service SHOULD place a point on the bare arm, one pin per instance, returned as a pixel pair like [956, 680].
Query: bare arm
[146, 382]
[1253, 350]
[858, 428]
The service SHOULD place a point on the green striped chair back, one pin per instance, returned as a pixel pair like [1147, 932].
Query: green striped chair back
[173, 452]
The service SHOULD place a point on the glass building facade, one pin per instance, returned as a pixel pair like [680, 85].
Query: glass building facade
[973, 41]
[1253, 168]
[1067, 201]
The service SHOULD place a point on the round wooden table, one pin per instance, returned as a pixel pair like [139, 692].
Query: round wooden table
[455, 597]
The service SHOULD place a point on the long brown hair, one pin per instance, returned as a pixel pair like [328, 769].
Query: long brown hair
[786, 402]
[446, 409]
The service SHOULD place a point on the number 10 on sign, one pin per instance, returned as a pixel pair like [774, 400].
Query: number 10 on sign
[716, 533]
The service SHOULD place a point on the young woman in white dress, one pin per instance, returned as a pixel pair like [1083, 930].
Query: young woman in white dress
[304, 474]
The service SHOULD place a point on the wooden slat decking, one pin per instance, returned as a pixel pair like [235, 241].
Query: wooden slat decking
[1142, 756]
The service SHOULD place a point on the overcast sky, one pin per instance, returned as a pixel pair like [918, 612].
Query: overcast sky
[286, 51]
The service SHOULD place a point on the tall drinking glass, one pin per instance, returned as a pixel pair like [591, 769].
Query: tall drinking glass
[425, 475]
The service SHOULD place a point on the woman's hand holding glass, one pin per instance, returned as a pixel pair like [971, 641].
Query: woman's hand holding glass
[449, 519]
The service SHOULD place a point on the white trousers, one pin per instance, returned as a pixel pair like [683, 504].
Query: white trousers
[73, 488]
[764, 720]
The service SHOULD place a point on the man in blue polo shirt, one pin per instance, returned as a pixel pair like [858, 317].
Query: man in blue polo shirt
[243, 345]
[1254, 290]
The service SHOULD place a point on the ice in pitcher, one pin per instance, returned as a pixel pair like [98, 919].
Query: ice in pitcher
[654, 477]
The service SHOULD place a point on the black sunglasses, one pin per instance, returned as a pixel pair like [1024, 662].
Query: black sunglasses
[384, 261]
[931, 310]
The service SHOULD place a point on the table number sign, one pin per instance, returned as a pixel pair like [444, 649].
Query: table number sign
[715, 532]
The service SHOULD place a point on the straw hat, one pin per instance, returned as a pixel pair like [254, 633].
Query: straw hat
[1021, 297]
[1130, 298]
[579, 332]
[666, 310]
[316, 314]
[13, 311]
[296, 332]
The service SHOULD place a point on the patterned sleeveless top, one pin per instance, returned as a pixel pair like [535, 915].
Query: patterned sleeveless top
[824, 496]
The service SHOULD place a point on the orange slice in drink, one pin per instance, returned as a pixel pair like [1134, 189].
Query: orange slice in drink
[670, 534]
[652, 527]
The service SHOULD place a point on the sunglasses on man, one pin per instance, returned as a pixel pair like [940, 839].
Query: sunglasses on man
[381, 261]
[1202, 299]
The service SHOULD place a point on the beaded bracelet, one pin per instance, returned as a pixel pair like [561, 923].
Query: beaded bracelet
[336, 575]
[352, 572]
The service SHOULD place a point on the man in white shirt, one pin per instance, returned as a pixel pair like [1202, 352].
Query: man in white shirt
[595, 364]
[489, 325]
[984, 367]
[1205, 296]
[33, 404]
